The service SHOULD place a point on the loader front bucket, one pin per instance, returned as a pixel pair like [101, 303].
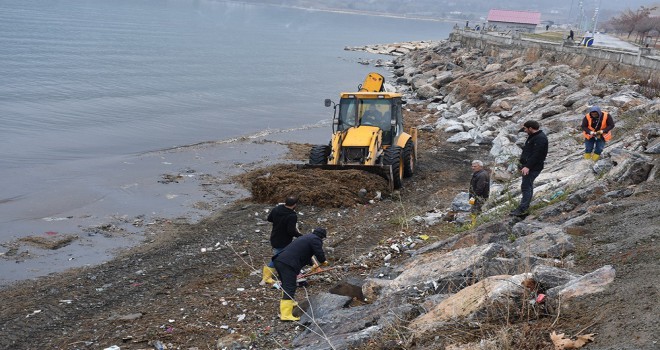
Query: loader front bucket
[384, 171]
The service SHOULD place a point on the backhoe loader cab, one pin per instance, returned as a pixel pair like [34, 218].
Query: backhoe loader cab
[368, 134]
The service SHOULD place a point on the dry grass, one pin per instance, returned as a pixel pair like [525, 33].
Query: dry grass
[546, 36]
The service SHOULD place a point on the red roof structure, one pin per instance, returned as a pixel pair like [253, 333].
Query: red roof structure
[525, 17]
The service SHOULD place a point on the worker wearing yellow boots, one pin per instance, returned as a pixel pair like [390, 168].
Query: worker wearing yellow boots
[596, 127]
[479, 189]
[285, 229]
[291, 260]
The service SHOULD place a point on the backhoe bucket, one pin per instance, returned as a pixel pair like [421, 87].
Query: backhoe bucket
[384, 171]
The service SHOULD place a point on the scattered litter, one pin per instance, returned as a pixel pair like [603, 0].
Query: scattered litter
[224, 327]
[241, 317]
[257, 230]
[540, 299]
[562, 343]
[387, 257]
[424, 237]
[33, 313]
[240, 289]
[113, 347]
[158, 345]
[203, 250]
[66, 301]
[171, 321]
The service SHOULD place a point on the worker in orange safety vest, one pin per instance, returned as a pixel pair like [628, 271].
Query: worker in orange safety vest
[596, 128]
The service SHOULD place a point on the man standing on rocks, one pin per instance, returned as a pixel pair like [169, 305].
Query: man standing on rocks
[479, 189]
[531, 160]
[596, 127]
[285, 228]
[291, 260]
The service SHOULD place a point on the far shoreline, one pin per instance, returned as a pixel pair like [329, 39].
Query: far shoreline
[352, 12]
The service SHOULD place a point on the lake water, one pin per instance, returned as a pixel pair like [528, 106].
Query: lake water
[93, 92]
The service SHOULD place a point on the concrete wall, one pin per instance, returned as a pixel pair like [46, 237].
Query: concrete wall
[646, 60]
[505, 26]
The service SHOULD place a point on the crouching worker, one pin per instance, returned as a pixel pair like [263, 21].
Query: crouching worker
[291, 260]
[596, 128]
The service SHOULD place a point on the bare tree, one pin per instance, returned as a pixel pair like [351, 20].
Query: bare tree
[645, 26]
[628, 20]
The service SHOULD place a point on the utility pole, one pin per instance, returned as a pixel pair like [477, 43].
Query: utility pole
[580, 15]
[596, 16]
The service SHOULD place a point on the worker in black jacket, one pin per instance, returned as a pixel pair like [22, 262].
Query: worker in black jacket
[285, 229]
[532, 160]
[291, 260]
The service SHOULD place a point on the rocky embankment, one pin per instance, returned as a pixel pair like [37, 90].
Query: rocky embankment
[507, 283]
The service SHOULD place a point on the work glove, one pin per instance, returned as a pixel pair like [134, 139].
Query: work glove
[599, 132]
[592, 133]
[325, 263]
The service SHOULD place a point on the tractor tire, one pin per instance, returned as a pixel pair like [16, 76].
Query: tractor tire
[393, 157]
[318, 155]
[409, 159]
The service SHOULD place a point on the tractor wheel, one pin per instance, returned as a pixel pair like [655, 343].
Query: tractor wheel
[409, 159]
[393, 157]
[319, 155]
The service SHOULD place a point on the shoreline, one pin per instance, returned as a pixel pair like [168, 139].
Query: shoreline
[353, 12]
[156, 188]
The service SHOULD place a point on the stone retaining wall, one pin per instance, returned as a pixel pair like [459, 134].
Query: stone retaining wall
[646, 60]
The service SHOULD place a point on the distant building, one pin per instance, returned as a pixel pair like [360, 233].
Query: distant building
[505, 20]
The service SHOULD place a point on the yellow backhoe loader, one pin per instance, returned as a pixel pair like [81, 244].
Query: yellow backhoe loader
[368, 134]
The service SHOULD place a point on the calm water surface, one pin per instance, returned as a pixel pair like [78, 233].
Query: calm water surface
[89, 88]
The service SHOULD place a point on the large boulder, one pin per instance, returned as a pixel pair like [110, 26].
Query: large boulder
[491, 295]
[548, 242]
[351, 328]
[593, 282]
[322, 304]
[550, 276]
[630, 168]
[444, 272]
[427, 91]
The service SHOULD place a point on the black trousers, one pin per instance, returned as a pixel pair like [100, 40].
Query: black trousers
[288, 278]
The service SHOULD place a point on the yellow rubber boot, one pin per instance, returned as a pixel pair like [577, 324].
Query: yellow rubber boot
[267, 276]
[595, 157]
[286, 310]
[587, 156]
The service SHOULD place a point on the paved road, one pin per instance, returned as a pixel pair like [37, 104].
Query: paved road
[613, 42]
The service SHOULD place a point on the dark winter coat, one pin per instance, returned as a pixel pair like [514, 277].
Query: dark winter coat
[299, 253]
[534, 151]
[480, 184]
[284, 226]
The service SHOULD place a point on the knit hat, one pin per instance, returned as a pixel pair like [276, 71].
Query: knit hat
[321, 232]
